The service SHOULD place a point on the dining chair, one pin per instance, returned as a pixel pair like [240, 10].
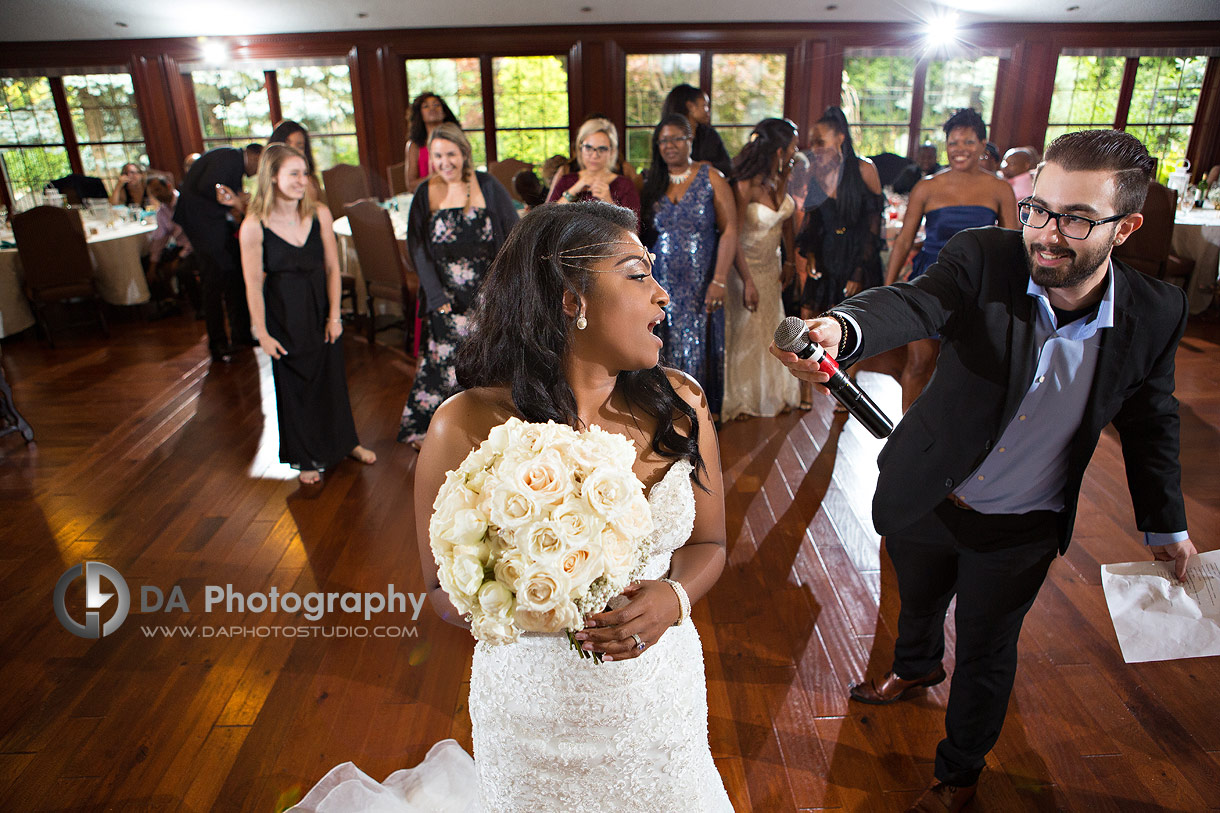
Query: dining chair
[344, 184]
[387, 272]
[1147, 249]
[55, 259]
[77, 188]
[503, 171]
[396, 174]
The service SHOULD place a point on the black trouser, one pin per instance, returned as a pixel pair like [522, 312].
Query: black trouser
[995, 564]
[224, 290]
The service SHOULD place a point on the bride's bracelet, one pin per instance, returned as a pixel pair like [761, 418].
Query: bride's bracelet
[683, 601]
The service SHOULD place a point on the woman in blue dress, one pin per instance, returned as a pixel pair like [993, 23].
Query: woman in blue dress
[686, 207]
[961, 196]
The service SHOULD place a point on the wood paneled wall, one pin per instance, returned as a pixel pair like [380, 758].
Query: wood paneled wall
[596, 70]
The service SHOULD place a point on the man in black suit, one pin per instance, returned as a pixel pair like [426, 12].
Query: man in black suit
[1044, 341]
[210, 207]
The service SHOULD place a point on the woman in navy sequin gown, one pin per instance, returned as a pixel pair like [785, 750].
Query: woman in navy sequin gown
[687, 207]
[963, 196]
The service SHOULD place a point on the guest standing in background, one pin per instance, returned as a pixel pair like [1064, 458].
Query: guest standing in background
[597, 154]
[926, 163]
[753, 385]
[841, 234]
[964, 196]
[686, 205]
[991, 159]
[459, 218]
[209, 208]
[295, 136]
[132, 190]
[291, 267]
[694, 105]
[1018, 169]
[426, 112]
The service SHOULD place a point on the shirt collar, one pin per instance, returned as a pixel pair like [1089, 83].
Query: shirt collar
[1105, 309]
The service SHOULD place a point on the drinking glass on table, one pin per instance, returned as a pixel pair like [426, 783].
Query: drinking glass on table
[1187, 201]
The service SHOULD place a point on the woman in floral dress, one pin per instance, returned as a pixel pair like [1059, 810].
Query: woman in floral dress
[459, 218]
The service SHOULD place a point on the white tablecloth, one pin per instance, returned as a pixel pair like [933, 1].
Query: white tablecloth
[1196, 236]
[116, 266]
[349, 263]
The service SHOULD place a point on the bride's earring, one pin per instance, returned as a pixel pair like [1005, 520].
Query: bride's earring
[581, 322]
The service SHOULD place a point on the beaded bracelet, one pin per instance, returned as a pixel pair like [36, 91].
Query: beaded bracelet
[843, 330]
[683, 601]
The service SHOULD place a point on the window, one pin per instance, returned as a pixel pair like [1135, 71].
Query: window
[105, 123]
[460, 83]
[650, 78]
[876, 99]
[746, 88]
[31, 140]
[233, 105]
[319, 98]
[1086, 94]
[1163, 107]
[531, 98]
[952, 84]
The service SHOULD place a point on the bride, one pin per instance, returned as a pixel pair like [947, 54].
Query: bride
[564, 331]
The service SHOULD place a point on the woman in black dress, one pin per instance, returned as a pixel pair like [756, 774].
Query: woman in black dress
[459, 218]
[291, 266]
[693, 103]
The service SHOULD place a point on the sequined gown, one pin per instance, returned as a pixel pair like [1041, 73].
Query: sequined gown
[554, 733]
[755, 382]
[686, 259]
[464, 246]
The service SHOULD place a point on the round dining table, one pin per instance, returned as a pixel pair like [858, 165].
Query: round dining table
[1196, 236]
[116, 251]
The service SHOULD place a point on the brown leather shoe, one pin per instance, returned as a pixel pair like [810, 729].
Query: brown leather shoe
[891, 688]
[943, 798]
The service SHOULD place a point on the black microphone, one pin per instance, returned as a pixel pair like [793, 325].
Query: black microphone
[792, 336]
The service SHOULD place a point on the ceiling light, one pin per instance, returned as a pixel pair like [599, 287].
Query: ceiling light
[214, 51]
[941, 30]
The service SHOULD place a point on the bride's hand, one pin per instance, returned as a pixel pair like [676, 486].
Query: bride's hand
[651, 609]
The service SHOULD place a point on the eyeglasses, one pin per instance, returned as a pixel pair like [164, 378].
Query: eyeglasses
[1073, 226]
[595, 150]
[673, 141]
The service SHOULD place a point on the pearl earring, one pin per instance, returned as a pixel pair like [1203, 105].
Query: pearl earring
[581, 322]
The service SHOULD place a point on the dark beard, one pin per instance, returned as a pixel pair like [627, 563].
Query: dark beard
[1077, 271]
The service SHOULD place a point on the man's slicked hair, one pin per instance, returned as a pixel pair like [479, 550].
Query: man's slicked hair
[1113, 151]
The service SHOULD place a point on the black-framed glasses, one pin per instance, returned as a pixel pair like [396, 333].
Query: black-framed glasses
[1073, 226]
[596, 150]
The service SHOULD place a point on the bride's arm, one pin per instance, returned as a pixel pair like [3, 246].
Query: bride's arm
[696, 565]
[446, 445]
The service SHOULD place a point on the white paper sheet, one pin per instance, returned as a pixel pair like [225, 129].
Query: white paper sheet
[1158, 618]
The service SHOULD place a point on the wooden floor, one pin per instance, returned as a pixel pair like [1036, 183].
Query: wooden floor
[152, 461]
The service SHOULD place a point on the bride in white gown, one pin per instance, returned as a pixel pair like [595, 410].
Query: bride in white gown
[564, 332]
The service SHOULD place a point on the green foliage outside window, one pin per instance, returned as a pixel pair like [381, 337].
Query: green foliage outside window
[460, 83]
[106, 123]
[877, 102]
[233, 107]
[1163, 107]
[31, 141]
[746, 88]
[952, 84]
[319, 98]
[650, 78]
[531, 107]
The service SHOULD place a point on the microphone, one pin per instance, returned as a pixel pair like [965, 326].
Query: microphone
[792, 336]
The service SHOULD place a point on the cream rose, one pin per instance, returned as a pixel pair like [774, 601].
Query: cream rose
[561, 617]
[581, 565]
[467, 574]
[619, 553]
[541, 590]
[576, 521]
[546, 478]
[510, 508]
[635, 520]
[467, 526]
[542, 543]
[495, 629]
[607, 491]
[495, 599]
[509, 568]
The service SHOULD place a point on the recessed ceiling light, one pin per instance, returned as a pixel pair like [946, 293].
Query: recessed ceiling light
[215, 51]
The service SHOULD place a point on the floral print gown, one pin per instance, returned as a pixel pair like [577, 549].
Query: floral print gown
[463, 247]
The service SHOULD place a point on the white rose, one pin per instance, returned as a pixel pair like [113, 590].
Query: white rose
[495, 599]
[467, 526]
[576, 521]
[541, 590]
[480, 552]
[467, 574]
[601, 449]
[495, 629]
[547, 479]
[511, 508]
[607, 491]
[463, 603]
[619, 553]
[635, 520]
[509, 568]
[561, 617]
[541, 543]
[582, 565]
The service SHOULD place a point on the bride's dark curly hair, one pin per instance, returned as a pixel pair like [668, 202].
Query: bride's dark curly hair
[521, 334]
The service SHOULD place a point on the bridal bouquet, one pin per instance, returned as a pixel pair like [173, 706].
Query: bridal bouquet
[539, 526]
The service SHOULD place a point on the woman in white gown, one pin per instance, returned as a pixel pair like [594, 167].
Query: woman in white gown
[754, 382]
[564, 332]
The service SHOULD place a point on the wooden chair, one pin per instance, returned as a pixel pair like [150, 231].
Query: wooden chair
[76, 189]
[503, 171]
[386, 272]
[1148, 247]
[55, 257]
[344, 184]
[396, 174]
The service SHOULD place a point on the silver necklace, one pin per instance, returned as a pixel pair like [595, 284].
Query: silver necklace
[677, 179]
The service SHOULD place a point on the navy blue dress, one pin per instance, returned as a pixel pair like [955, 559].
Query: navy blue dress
[686, 260]
[941, 224]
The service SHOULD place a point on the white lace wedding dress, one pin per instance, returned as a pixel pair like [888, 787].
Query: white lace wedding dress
[555, 733]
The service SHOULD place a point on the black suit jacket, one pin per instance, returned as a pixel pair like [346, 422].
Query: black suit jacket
[975, 297]
[206, 221]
